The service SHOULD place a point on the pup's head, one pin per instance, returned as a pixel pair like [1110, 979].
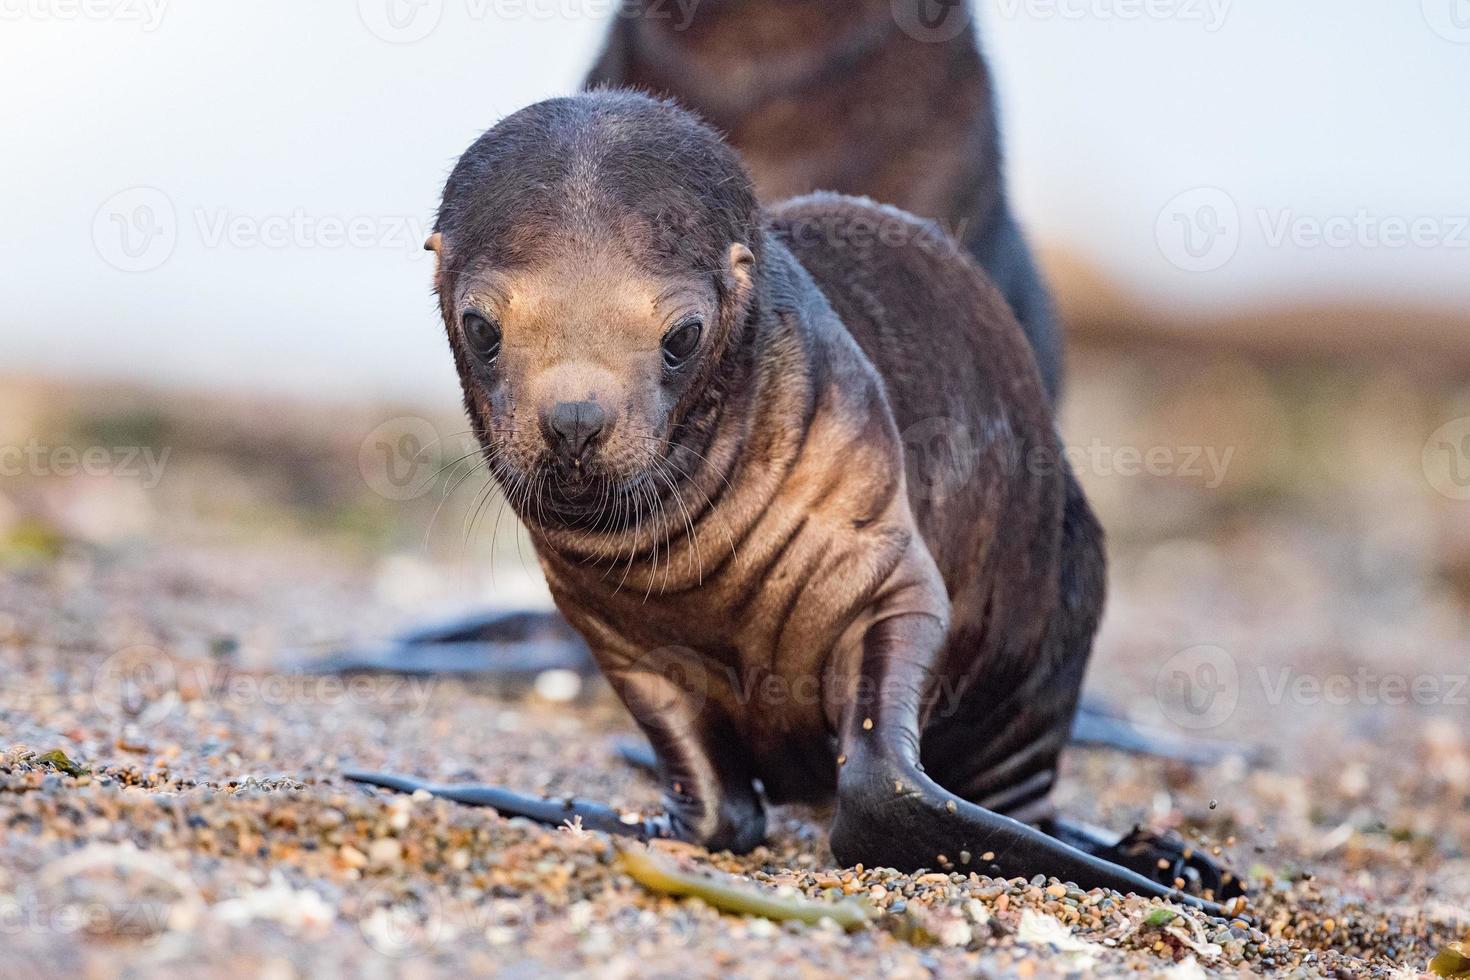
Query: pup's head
[597, 260]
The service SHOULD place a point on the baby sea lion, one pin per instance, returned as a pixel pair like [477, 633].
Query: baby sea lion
[887, 99]
[695, 405]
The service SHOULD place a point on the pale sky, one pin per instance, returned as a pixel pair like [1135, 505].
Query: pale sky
[214, 193]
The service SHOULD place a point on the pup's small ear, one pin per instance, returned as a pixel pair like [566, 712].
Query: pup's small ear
[742, 265]
[435, 243]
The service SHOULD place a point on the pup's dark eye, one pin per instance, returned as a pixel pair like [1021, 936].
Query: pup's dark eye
[682, 341]
[482, 335]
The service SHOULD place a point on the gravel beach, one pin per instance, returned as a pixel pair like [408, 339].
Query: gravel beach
[171, 801]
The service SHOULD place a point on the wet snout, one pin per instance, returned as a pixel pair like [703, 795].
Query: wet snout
[576, 405]
[573, 429]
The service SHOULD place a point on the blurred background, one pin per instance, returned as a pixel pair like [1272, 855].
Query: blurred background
[1255, 217]
[234, 197]
[229, 420]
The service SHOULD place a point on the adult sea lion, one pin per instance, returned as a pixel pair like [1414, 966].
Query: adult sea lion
[695, 406]
[887, 99]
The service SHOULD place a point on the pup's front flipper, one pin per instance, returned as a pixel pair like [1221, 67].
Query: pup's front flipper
[510, 646]
[891, 814]
[553, 811]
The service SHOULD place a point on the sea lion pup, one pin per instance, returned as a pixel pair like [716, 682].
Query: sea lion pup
[887, 99]
[696, 409]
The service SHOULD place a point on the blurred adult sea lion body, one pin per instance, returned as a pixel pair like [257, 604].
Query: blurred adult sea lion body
[886, 99]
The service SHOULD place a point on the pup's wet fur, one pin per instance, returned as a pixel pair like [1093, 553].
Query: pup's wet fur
[756, 576]
[889, 99]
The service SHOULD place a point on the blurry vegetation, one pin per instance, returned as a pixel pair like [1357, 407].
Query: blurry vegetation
[29, 541]
[1453, 960]
[239, 468]
[148, 424]
[1295, 443]
[729, 894]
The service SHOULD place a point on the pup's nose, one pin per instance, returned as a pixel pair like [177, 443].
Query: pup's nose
[574, 426]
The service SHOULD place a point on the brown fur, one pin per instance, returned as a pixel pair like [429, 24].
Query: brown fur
[742, 549]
